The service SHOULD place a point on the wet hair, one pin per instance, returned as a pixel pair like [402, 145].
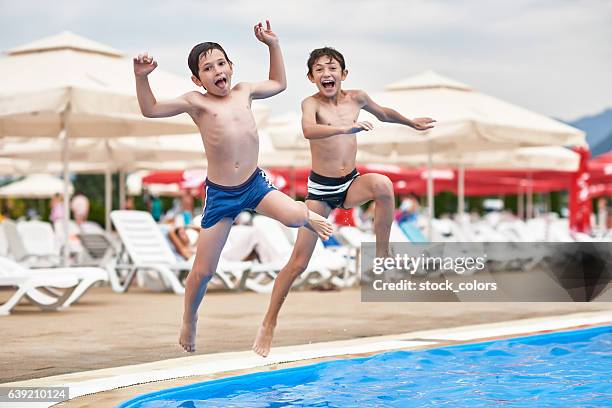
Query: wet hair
[194, 56]
[325, 52]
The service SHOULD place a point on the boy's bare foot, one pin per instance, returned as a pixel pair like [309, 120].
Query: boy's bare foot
[188, 335]
[319, 225]
[263, 340]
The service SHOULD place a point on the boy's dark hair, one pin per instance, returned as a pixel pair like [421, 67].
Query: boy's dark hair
[325, 52]
[202, 48]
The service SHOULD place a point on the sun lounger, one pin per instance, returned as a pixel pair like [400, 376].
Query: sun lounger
[27, 285]
[4, 248]
[32, 243]
[83, 278]
[317, 272]
[97, 249]
[144, 248]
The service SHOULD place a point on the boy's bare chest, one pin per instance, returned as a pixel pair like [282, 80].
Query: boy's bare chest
[341, 114]
[236, 109]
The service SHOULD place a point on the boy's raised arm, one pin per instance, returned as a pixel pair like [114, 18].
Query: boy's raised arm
[149, 106]
[313, 130]
[277, 81]
[392, 116]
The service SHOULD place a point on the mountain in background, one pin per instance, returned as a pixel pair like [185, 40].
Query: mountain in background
[598, 129]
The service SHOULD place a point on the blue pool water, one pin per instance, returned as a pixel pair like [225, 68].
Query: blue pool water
[564, 369]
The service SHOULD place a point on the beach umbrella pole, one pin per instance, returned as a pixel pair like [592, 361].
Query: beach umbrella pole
[430, 195]
[520, 209]
[108, 186]
[461, 190]
[530, 197]
[121, 190]
[63, 136]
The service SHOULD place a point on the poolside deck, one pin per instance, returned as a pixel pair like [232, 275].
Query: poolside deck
[112, 330]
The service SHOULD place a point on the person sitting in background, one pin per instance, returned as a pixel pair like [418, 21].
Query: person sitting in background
[57, 208]
[243, 242]
[184, 241]
[156, 208]
[408, 210]
[80, 208]
[182, 211]
[187, 207]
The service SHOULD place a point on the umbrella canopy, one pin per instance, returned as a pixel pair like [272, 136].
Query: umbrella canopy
[467, 120]
[555, 158]
[67, 86]
[34, 186]
[89, 155]
[70, 83]
[600, 171]
[600, 168]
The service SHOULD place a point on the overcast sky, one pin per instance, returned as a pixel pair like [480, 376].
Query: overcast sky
[551, 56]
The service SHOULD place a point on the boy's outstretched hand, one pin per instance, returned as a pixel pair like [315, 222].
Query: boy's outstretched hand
[144, 65]
[423, 123]
[358, 127]
[266, 35]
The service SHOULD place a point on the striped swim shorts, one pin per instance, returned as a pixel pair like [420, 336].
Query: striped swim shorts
[331, 190]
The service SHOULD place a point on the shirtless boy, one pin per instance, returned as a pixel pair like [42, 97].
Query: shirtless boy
[224, 118]
[329, 122]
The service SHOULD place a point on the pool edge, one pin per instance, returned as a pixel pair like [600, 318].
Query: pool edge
[221, 365]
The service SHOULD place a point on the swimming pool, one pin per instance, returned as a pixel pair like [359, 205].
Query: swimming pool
[562, 369]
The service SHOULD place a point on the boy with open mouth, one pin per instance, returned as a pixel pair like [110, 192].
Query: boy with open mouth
[234, 183]
[329, 122]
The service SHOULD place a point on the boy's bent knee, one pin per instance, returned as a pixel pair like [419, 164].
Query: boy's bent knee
[383, 188]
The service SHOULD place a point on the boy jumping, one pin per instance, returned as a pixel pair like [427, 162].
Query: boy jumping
[329, 122]
[234, 183]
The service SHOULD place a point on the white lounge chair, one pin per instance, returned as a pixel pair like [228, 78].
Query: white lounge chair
[353, 236]
[4, 248]
[31, 243]
[320, 267]
[39, 238]
[28, 286]
[148, 250]
[86, 277]
[83, 278]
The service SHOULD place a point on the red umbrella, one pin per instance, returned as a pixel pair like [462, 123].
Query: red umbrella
[600, 169]
[163, 177]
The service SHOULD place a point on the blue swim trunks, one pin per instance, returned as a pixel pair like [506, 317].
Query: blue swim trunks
[229, 201]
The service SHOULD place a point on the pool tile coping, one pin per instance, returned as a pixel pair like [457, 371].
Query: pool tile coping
[94, 381]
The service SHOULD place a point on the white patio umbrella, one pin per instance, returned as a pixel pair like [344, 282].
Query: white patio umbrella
[467, 121]
[34, 186]
[86, 89]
